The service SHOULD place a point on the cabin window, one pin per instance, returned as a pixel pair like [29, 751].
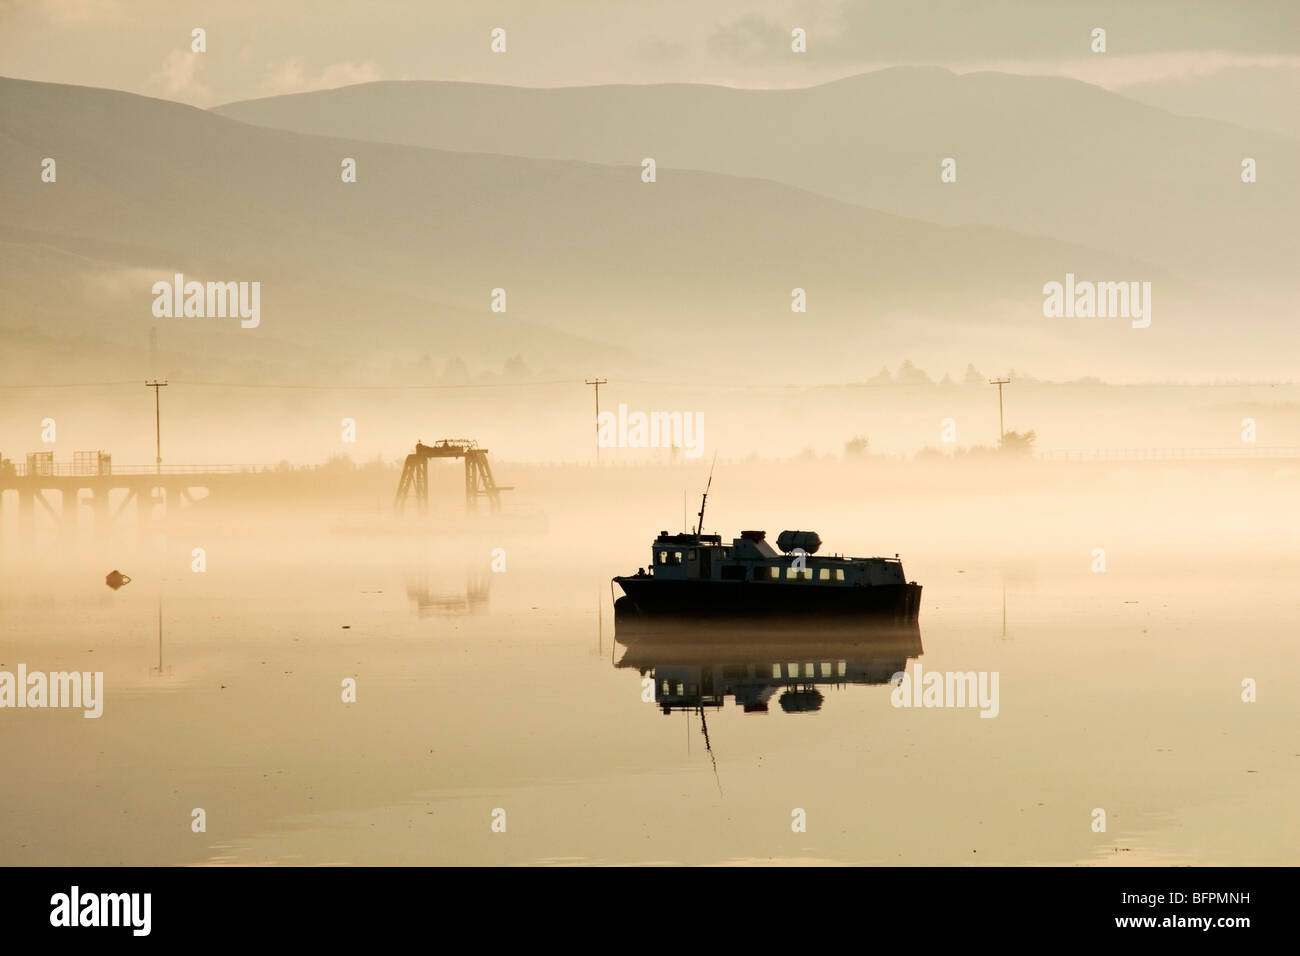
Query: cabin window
[826, 669]
[666, 690]
[776, 670]
[792, 669]
[824, 574]
[690, 555]
[798, 574]
[842, 668]
[839, 574]
[670, 557]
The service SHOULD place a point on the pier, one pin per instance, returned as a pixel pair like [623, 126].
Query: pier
[110, 493]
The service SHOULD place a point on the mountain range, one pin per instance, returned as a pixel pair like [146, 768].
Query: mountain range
[464, 189]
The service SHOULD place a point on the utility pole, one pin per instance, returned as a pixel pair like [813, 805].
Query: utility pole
[157, 425]
[999, 382]
[598, 382]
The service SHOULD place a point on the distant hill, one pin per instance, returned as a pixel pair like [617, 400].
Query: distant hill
[689, 275]
[1231, 94]
[1046, 156]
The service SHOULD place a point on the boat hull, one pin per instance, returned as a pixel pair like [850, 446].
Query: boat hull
[653, 597]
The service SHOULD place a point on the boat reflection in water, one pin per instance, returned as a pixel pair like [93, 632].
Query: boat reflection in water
[695, 665]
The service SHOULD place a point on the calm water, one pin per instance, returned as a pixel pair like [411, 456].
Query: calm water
[481, 690]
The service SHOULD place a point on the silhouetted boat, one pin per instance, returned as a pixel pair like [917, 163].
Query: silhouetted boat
[694, 575]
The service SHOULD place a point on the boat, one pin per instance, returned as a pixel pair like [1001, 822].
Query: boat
[693, 575]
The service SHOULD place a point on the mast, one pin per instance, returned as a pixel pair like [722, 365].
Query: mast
[704, 729]
[700, 528]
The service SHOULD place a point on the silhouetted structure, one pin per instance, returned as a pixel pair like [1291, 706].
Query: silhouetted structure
[91, 478]
[597, 382]
[479, 482]
[1002, 428]
[694, 575]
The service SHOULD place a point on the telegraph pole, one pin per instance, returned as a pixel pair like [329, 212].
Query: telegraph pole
[598, 382]
[157, 425]
[999, 382]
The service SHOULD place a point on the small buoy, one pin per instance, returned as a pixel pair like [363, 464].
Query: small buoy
[115, 579]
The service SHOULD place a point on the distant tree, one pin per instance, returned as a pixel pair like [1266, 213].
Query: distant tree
[928, 452]
[455, 371]
[946, 380]
[1018, 443]
[909, 374]
[856, 447]
[341, 462]
[973, 376]
[516, 369]
[881, 378]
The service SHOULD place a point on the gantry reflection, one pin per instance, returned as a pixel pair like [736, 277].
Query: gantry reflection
[443, 593]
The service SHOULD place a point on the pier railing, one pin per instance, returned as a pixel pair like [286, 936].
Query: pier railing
[71, 470]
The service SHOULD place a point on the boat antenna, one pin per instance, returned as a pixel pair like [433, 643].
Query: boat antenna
[704, 500]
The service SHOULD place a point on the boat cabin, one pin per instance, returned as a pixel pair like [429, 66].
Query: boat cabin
[703, 557]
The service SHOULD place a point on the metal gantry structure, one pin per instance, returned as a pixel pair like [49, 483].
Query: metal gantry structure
[479, 482]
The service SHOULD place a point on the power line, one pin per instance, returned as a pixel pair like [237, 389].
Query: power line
[695, 385]
[380, 388]
[330, 387]
[132, 383]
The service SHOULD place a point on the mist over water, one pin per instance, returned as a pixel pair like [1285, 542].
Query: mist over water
[445, 313]
[481, 689]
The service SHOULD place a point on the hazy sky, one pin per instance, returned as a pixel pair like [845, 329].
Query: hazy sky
[265, 47]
